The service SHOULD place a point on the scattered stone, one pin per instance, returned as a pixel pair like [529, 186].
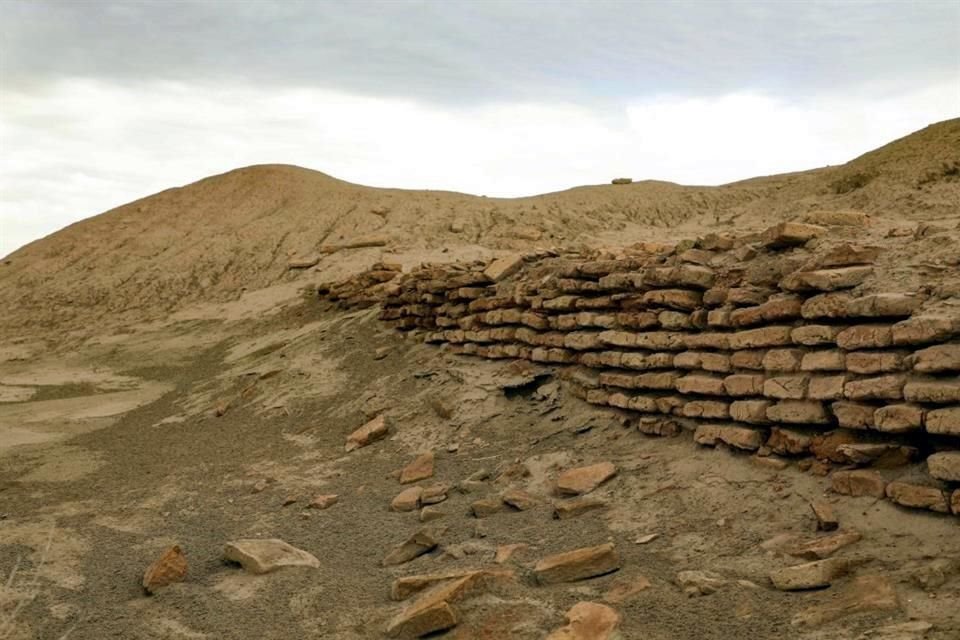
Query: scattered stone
[169, 568]
[263, 556]
[859, 482]
[826, 518]
[420, 469]
[519, 499]
[486, 507]
[260, 486]
[471, 486]
[588, 621]
[563, 509]
[304, 262]
[935, 573]
[862, 594]
[578, 564]
[626, 589]
[820, 548]
[788, 234]
[429, 514]
[368, 434]
[381, 353]
[423, 541]
[700, 583]
[221, 408]
[422, 619]
[912, 630]
[407, 500]
[466, 580]
[733, 435]
[650, 537]
[811, 575]
[324, 501]
[583, 480]
[507, 551]
[918, 496]
[289, 500]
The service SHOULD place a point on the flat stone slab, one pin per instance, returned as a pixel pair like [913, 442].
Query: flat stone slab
[263, 556]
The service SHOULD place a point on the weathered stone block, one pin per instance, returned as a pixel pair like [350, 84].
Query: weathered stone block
[578, 564]
[884, 305]
[747, 360]
[868, 362]
[853, 415]
[712, 409]
[945, 465]
[788, 234]
[750, 411]
[786, 387]
[786, 360]
[744, 384]
[879, 388]
[926, 329]
[786, 441]
[720, 317]
[814, 335]
[798, 412]
[706, 340]
[774, 310]
[865, 336]
[749, 296]
[659, 340]
[733, 435]
[826, 387]
[898, 418]
[776, 336]
[937, 359]
[637, 319]
[827, 279]
[826, 305]
[674, 320]
[940, 391]
[683, 299]
[943, 421]
[826, 360]
[703, 384]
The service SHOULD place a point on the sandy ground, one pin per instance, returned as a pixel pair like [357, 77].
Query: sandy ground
[117, 456]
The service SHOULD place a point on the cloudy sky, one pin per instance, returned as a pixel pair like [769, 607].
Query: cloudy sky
[105, 102]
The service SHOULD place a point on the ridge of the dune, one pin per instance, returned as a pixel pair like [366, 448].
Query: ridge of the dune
[239, 230]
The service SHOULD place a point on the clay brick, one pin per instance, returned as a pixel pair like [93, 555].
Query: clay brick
[646, 404]
[853, 415]
[746, 438]
[918, 496]
[955, 502]
[703, 384]
[943, 421]
[611, 358]
[865, 336]
[827, 279]
[597, 396]
[814, 335]
[716, 362]
[662, 380]
[534, 320]
[750, 411]
[682, 299]
[687, 275]
[925, 329]
[798, 412]
[787, 441]
[776, 336]
[826, 387]
[898, 418]
[859, 482]
[707, 340]
[884, 305]
[747, 360]
[720, 317]
[715, 296]
[787, 360]
[787, 234]
[666, 404]
[937, 359]
[698, 318]
[697, 256]
[879, 388]
[744, 384]
[826, 305]
[827, 360]
[868, 362]
[713, 409]
[786, 387]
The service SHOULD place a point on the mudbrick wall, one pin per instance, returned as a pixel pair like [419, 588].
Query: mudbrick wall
[773, 343]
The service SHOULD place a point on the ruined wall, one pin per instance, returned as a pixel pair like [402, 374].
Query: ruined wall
[762, 343]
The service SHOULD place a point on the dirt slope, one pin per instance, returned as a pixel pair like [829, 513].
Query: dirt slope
[215, 238]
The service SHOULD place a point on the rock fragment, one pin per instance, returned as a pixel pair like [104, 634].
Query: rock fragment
[168, 568]
[423, 541]
[260, 556]
[420, 469]
[582, 480]
[368, 434]
[578, 564]
[588, 621]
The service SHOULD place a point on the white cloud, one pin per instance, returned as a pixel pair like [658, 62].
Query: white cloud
[83, 146]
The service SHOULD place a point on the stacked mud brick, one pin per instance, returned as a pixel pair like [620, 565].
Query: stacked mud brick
[363, 290]
[759, 343]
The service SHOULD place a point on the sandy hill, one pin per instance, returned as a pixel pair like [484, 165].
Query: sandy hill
[212, 239]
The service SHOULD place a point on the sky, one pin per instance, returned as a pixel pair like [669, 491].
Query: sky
[104, 102]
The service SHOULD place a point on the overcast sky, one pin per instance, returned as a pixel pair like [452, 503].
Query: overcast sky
[105, 102]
